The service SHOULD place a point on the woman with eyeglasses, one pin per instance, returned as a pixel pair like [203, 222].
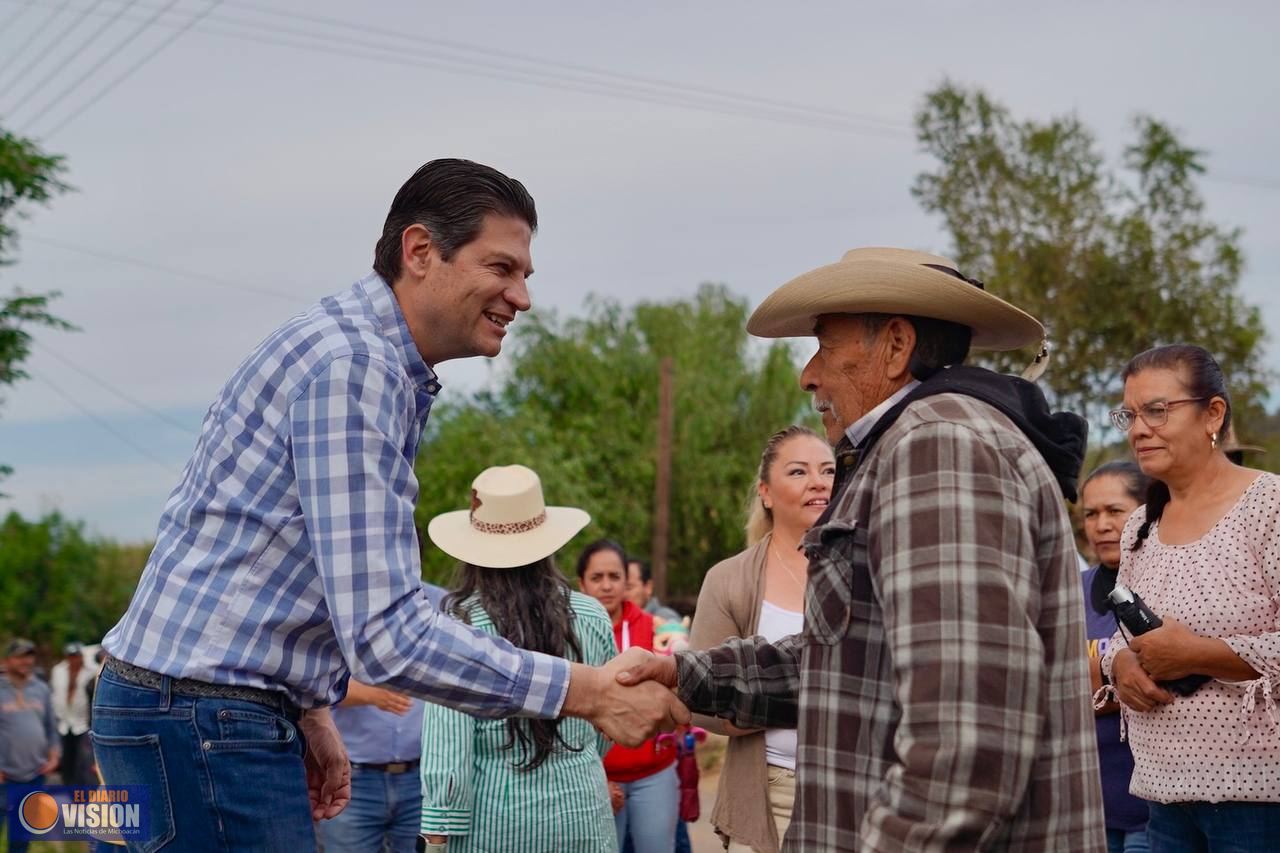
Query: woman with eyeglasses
[1204, 554]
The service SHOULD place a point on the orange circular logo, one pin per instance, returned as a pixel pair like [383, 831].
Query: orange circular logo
[38, 812]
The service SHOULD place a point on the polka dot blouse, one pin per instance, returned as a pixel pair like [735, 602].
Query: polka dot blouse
[1222, 743]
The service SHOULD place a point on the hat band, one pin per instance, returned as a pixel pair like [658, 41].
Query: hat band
[508, 527]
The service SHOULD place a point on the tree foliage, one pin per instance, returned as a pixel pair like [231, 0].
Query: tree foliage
[1113, 261]
[27, 176]
[580, 406]
[57, 585]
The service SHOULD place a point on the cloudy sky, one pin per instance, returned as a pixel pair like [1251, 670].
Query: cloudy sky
[233, 162]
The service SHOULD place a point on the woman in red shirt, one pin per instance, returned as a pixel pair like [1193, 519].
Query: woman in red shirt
[644, 777]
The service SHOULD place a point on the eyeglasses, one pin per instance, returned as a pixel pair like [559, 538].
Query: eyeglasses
[1153, 414]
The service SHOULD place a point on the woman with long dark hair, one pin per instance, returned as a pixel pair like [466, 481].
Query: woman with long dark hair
[1204, 555]
[519, 785]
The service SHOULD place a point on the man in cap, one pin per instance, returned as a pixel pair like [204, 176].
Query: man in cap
[28, 731]
[938, 685]
[287, 560]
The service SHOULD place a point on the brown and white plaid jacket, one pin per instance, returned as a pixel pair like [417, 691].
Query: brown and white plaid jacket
[939, 686]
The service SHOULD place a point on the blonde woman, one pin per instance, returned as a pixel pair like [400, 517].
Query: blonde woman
[761, 592]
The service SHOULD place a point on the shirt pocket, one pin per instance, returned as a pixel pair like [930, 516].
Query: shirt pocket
[836, 551]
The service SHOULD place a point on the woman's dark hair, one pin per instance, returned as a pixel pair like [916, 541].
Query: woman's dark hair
[1203, 379]
[450, 198]
[1135, 482]
[596, 547]
[529, 606]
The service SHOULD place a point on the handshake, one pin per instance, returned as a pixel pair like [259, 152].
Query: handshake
[629, 699]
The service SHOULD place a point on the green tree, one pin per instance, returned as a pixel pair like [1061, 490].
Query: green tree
[1113, 261]
[579, 406]
[56, 584]
[27, 176]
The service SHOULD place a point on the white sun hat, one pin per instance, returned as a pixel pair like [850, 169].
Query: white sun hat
[894, 281]
[509, 523]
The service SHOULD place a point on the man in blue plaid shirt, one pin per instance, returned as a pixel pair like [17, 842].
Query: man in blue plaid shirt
[287, 560]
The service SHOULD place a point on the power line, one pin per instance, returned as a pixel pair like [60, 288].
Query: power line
[538, 62]
[34, 36]
[579, 78]
[93, 69]
[100, 421]
[154, 267]
[537, 73]
[9, 21]
[78, 50]
[102, 383]
[132, 69]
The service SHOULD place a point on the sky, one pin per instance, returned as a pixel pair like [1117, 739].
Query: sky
[233, 162]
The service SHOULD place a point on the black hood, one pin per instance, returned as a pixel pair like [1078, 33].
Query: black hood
[1059, 436]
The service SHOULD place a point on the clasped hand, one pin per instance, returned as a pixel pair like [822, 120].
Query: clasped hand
[632, 710]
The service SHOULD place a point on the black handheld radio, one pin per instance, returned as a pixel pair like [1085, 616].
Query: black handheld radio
[1132, 612]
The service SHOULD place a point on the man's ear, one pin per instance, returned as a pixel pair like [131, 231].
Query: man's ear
[416, 251]
[899, 340]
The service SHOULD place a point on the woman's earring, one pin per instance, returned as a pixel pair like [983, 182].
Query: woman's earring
[767, 505]
[1213, 441]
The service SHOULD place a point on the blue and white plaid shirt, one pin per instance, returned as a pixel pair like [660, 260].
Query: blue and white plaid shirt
[287, 557]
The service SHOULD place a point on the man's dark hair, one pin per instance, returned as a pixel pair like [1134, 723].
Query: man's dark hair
[646, 572]
[939, 343]
[450, 198]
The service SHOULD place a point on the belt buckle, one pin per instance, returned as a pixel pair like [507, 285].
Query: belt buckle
[397, 767]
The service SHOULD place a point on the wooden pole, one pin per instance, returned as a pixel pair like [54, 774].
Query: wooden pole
[662, 481]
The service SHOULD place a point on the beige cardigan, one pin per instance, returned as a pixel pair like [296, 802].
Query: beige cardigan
[729, 606]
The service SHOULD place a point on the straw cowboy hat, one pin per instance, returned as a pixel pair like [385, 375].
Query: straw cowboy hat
[509, 523]
[894, 281]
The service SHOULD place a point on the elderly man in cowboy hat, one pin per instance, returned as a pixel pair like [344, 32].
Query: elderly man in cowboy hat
[938, 685]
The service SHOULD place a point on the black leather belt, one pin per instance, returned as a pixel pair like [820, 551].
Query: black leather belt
[273, 699]
[394, 768]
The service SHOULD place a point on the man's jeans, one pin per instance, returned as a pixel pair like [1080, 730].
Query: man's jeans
[384, 814]
[15, 846]
[224, 774]
[1214, 827]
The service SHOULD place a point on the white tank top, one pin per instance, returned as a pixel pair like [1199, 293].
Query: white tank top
[776, 623]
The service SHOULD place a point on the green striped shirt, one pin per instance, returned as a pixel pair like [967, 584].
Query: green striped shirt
[472, 793]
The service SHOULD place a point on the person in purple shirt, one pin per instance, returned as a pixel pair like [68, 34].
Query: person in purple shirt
[1109, 495]
[382, 731]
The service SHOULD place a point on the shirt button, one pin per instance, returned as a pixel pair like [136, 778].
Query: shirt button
[433, 388]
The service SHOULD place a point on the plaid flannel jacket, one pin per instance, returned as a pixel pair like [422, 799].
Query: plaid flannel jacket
[939, 685]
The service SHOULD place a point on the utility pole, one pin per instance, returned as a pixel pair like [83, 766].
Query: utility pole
[662, 482]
